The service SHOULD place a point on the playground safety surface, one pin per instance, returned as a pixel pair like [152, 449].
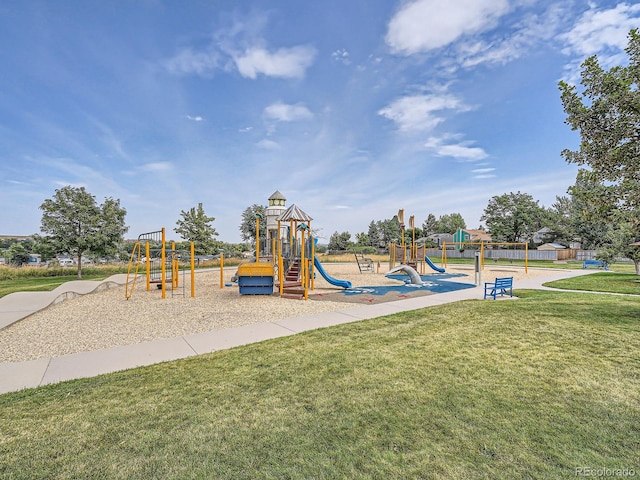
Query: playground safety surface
[432, 284]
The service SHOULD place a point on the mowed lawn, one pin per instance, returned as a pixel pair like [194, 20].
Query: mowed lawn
[537, 387]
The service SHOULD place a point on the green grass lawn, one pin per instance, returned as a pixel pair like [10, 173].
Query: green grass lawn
[601, 282]
[531, 388]
[40, 284]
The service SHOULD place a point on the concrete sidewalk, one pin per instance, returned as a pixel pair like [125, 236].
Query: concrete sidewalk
[20, 375]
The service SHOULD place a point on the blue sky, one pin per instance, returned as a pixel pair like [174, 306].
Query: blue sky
[353, 109]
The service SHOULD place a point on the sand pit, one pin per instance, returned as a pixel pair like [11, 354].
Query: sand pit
[106, 319]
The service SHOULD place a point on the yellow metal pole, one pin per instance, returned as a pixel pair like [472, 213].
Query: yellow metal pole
[163, 268]
[147, 262]
[281, 274]
[481, 255]
[311, 261]
[444, 254]
[303, 272]
[526, 258]
[193, 270]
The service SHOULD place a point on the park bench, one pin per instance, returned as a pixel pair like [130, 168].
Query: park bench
[364, 264]
[595, 263]
[499, 287]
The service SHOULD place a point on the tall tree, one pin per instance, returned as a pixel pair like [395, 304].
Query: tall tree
[77, 225]
[607, 114]
[340, 241]
[513, 217]
[374, 234]
[450, 223]
[195, 226]
[430, 225]
[248, 225]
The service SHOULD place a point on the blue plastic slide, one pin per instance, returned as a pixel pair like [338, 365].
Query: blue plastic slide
[328, 278]
[430, 263]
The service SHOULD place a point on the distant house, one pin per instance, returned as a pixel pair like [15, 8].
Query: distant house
[551, 246]
[440, 238]
[478, 236]
[541, 235]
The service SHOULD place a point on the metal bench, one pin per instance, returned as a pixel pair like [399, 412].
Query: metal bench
[501, 286]
[594, 263]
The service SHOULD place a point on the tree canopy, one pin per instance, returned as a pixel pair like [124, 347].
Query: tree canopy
[606, 112]
[195, 227]
[76, 224]
[513, 217]
[248, 225]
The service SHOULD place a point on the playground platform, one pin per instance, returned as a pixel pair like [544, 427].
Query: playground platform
[21, 375]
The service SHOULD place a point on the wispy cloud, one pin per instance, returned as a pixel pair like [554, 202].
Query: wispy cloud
[283, 112]
[155, 167]
[195, 118]
[460, 151]
[267, 144]
[424, 25]
[283, 62]
[420, 112]
[241, 48]
[190, 62]
[341, 56]
[602, 32]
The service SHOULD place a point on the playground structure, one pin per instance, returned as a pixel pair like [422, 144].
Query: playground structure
[411, 255]
[162, 266]
[286, 258]
[416, 256]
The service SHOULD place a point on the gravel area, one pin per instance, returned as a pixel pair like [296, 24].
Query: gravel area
[106, 319]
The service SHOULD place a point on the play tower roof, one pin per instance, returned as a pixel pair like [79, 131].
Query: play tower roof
[295, 214]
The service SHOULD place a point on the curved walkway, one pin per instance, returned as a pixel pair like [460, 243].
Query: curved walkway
[44, 371]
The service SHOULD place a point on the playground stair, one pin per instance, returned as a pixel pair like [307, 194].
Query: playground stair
[292, 285]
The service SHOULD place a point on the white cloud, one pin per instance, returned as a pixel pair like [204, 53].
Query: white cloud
[600, 30]
[461, 150]
[482, 170]
[156, 167]
[268, 144]
[195, 118]
[283, 112]
[417, 112]
[189, 62]
[341, 55]
[425, 25]
[284, 62]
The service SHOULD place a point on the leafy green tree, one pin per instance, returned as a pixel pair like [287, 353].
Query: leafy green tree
[513, 217]
[607, 114]
[430, 225]
[450, 223]
[248, 225]
[76, 224]
[17, 254]
[195, 226]
[43, 247]
[374, 235]
[390, 231]
[340, 241]
[362, 240]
